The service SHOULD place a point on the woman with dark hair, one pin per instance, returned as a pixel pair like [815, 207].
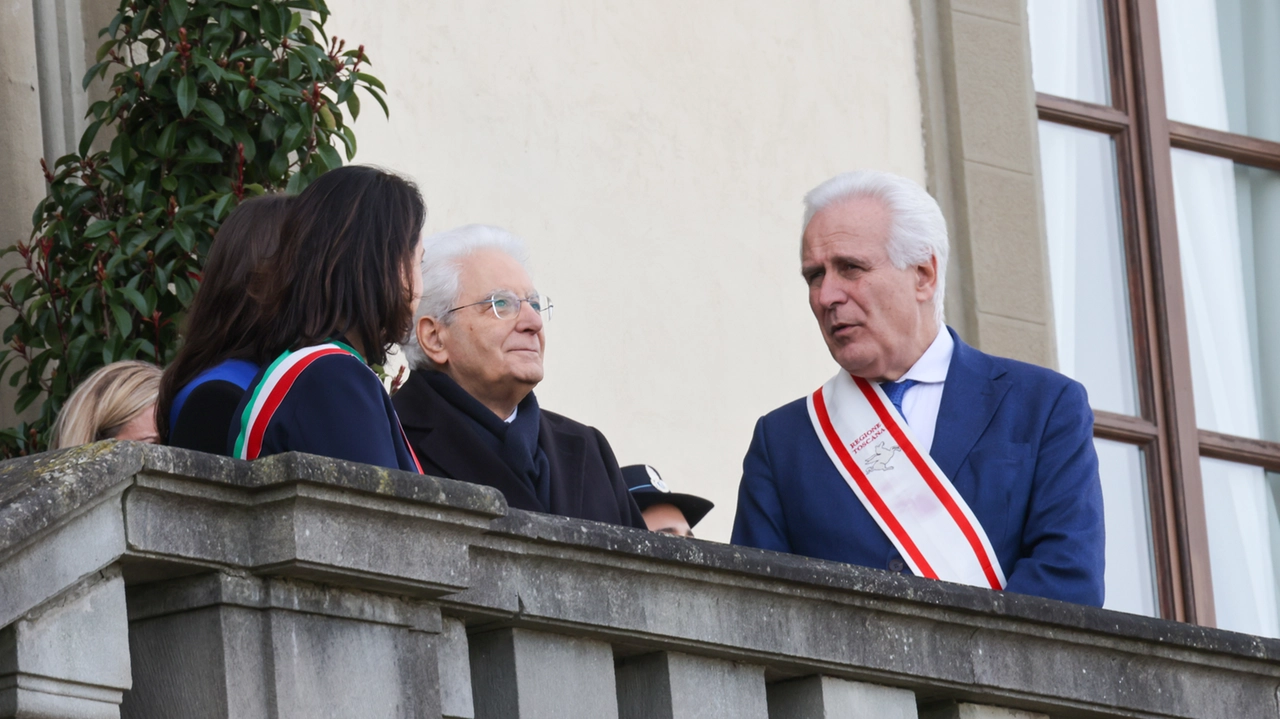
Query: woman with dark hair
[203, 386]
[341, 289]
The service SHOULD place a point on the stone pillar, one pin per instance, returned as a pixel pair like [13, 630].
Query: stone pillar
[455, 671]
[224, 647]
[831, 698]
[523, 674]
[982, 152]
[70, 657]
[962, 710]
[669, 685]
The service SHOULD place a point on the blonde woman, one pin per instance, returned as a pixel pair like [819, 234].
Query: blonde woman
[115, 402]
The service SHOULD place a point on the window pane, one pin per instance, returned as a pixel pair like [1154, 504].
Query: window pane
[1087, 265]
[1222, 64]
[1228, 222]
[1069, 49]
[1240, 505]
[1130, 574]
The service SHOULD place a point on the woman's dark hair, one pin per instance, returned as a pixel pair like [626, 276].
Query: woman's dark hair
[346, 252]
[219, 323]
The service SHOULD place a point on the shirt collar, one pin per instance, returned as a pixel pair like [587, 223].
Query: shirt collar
[933, 364]
[512, 418]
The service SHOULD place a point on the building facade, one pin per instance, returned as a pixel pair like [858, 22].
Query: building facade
[1105, 167]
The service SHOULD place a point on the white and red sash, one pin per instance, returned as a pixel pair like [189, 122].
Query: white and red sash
[900, 485]
[275, 385]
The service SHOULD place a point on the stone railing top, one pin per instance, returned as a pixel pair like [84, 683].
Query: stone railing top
[37, 492]
[40, 492]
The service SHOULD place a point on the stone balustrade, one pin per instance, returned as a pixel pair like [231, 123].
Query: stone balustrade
[149, 582]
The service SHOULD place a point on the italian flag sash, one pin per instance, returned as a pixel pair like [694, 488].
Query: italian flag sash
[900, 485]
[275, 385]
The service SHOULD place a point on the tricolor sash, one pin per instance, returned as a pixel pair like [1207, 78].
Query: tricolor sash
[275, 385]
[900, 485]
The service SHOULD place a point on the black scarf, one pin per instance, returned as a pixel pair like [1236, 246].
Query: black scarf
[516, 443]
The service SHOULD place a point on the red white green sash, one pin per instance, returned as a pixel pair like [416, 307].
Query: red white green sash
[900, 485]
[274, 387]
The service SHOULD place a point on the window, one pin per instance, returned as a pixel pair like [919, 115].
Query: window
[1160, 153]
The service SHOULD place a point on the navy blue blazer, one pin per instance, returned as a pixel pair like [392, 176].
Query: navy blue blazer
[337, 407]
[1015, 439]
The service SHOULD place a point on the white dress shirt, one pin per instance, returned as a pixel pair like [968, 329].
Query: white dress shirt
[516, 411]
[920, 403]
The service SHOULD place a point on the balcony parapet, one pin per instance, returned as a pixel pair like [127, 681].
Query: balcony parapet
[144, 581]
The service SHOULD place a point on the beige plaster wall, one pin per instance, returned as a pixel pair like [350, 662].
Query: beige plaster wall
[21, 184]
[654, 155]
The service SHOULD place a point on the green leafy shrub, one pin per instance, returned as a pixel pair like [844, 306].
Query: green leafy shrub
[211, 101]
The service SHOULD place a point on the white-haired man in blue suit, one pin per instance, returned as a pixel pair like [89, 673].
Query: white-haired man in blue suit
[922, 454]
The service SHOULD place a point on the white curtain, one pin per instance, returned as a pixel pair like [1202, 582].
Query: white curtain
[1222, 64]
[1061, 177]
[1067, 49]
[1226, 236]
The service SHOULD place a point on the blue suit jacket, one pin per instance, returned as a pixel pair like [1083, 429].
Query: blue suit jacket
[1016, 440]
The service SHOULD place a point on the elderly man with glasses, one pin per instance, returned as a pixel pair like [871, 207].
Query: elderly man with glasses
[468, 408]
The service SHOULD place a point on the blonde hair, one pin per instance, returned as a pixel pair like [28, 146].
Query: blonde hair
[107, 400]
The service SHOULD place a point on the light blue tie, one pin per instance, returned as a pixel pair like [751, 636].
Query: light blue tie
[896, 391]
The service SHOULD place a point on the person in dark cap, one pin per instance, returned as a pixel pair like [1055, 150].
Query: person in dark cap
[664, 511]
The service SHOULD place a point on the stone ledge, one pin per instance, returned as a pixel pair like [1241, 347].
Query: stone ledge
[835, 575]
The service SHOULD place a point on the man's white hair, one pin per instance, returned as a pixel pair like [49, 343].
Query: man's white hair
[917, 230]
[442, 256]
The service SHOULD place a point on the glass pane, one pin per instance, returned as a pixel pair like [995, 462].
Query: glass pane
[1087, 265]
[1240, 505]
[1130, 574]
[1228, 224]
[1222, 64]
[1069, 49]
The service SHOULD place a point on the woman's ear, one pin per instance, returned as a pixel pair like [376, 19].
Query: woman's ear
[430, 334]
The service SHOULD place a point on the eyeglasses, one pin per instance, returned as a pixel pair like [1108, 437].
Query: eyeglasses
[506, 305]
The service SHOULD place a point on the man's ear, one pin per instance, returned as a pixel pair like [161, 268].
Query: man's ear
[430, 334]
[927, 279]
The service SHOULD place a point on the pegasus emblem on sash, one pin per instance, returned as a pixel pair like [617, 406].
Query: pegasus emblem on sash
[879, 461]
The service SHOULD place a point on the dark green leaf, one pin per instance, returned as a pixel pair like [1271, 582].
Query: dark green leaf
[91, 72]
[211, 110]
[124, 323]
[204, 155]
[293, 136]
[86, 140]
[164, 145]
[329, 156]
[371, 80]
[279, 164]
[382, 102]
[99, 228]
[221, 205]
[186, 95]
[186, 237]
[270, 20]
[348, 137]
[179, 8]
[156, 68]
[26, 396]
[353, 103]
[244, 98]
[103, 49]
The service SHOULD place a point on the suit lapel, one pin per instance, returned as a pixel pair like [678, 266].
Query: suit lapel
[972, 394]
[567, 455]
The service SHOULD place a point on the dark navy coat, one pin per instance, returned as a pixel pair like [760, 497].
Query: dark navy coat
[1016, 440]
[586, 481]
